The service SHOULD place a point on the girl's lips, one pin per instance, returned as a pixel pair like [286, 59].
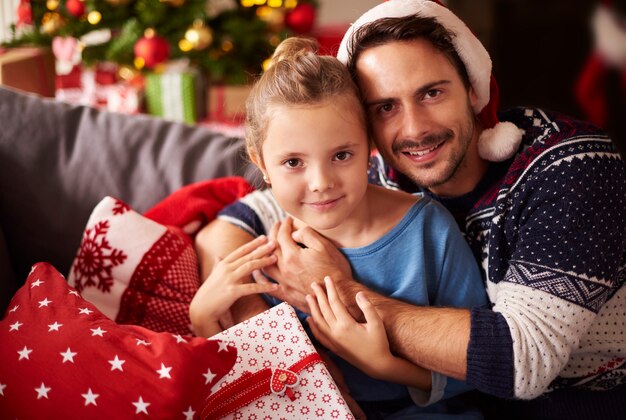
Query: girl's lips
[425, 154]
[324, 205]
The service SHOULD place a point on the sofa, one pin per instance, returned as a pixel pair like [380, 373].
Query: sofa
[57, 161]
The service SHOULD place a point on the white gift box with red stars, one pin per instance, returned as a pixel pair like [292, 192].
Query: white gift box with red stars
[278, 373]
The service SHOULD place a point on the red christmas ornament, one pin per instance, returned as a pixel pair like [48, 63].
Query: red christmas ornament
[24, 13]
[301, 18]
[152, 49]
[75, 8]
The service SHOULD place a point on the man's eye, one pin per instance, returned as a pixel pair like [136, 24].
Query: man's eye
[343, 156]
[385, 108]
[433, 93]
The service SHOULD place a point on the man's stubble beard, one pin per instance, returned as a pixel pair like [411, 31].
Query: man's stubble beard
[452, 165]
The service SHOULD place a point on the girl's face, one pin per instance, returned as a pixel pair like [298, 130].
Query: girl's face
[316, 159]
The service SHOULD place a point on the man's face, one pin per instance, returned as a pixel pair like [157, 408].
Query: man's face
[421, 115]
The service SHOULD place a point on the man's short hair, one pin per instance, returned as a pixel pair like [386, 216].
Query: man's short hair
[406, 28]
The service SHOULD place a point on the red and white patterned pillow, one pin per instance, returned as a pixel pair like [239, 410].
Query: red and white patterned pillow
[135, 270]
[63, 358]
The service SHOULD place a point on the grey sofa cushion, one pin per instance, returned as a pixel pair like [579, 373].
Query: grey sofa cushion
[58, 161]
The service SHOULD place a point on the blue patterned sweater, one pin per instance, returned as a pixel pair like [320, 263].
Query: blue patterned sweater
[549, 230]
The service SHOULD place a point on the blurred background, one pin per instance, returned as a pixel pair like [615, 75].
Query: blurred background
[543, 52]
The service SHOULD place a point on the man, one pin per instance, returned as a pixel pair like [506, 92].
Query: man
[547, 220]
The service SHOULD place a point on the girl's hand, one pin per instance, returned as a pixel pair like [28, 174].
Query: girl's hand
[362, 344]
[226, 284]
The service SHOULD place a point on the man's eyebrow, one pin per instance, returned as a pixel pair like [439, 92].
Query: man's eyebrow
[429, 86]
[418, 92]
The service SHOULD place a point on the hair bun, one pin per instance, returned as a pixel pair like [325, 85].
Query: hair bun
[293, 48]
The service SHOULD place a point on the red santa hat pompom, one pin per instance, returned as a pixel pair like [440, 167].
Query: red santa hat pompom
[499, 140]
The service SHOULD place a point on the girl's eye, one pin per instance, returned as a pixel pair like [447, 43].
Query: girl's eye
[343, 156]
[292, 163]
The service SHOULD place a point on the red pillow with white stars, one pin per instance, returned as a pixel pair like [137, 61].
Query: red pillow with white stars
[63, 358]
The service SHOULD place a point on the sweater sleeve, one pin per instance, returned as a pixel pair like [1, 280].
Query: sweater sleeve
[255, 213]
[557, 246]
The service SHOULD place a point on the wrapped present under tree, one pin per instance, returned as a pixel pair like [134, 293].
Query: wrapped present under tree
[28, 69]
[176, 94]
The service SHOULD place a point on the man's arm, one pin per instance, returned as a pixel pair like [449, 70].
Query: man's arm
[214, 242]
[435, 338]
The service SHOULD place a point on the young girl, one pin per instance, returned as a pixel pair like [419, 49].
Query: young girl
[306, 131]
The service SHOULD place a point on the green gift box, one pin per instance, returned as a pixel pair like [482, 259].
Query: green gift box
[175, 95]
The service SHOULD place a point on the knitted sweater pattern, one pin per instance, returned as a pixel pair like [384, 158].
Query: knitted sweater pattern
[549, 229]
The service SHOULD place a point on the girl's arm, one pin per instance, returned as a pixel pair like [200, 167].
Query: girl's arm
[226, 284]
[364, 345]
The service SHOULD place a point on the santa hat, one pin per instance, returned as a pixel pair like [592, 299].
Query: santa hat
[499, 140]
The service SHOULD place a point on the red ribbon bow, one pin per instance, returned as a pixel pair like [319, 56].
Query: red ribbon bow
[252, 386]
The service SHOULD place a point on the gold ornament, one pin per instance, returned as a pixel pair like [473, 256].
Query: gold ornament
[227, 44]
[94, 17]
[199, 36]
[290, 4]
[52, 4]
[275, 18]
[139, 63]
[274, 3]
[266, 63]
[127, 73]
[184, 45]
[51, 22]
[247, 3]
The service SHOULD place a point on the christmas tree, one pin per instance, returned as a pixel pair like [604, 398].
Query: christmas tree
[228, 39]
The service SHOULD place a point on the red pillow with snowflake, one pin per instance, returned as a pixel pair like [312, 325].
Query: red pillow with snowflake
[61, 357]
[135, 270]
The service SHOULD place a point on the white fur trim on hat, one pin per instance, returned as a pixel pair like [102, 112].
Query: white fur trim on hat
[500, 142]
[495, 143]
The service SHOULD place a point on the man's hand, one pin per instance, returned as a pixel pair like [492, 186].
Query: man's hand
[304, 257]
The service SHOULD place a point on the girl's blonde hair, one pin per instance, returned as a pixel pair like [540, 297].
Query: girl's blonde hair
[296, 76]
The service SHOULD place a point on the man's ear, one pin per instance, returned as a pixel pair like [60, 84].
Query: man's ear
[472, 97]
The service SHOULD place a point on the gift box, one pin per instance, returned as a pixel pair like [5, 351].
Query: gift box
[99, 86]
[278, 373]
[28, 69]
[175, 95]
[124, 98]
[227, 103]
